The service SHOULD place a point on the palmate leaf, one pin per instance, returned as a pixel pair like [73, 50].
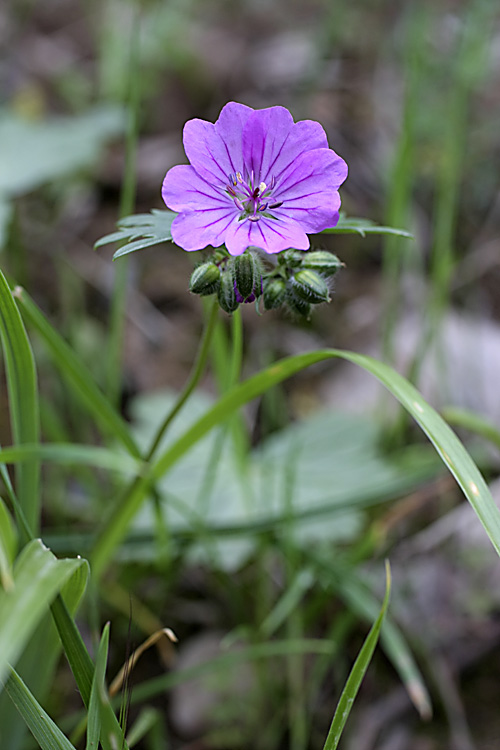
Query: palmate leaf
[146, 230]
[142, 230]
[351, 225]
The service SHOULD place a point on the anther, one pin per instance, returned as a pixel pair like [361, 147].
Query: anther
[253, 218]
[276, 205]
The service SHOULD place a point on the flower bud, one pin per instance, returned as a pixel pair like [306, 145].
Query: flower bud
[274, 292]
[296, 303]
[247, 277]
[226, 295]
[309, 286]
[292, 258]
[205, 279]
[322, 261]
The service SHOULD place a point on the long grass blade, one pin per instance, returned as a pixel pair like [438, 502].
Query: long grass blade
[77, 375]
[446, 443]
[73, 454]
[23, 399]
[98, 692]
[357, 673]
[44, 730]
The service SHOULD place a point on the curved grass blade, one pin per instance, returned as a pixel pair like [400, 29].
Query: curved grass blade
[71, 453]
[23, 399]
[76, 374]
[38, 577]
[44, 730]
[448, 446]
[8, 544]
[357, 673]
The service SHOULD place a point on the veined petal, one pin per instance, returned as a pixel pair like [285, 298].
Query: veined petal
[271, 235]
[229, 127]
[264, 135]
[215, 150]
[316, 213]
[309, 190]
[183, 189]
[194, 230]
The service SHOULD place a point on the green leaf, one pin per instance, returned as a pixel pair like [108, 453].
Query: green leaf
[33, 153]
[23, 399]
[351, 225]
[76, 374]
[83, 671]
[38, 577]
[44, 730]
[8, 544]
[141, 230]
[357, 673]
[98, 693]
[70, 453]
[448, 446]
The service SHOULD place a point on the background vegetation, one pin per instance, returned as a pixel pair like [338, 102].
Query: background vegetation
[263, 547]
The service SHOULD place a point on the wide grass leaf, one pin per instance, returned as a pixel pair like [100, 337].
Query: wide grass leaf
[37, 577]
[357, 673]
[23, 399]
[42, 727]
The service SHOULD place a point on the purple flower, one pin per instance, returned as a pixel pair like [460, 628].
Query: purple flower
[257, 179]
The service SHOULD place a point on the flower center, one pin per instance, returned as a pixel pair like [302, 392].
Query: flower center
[252, 200]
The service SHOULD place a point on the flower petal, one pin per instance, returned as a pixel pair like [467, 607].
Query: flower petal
[272, 142]
[215, 150]
[264, 134]
[271, 235]
[183, 189]
[309, 190]
[194, 230]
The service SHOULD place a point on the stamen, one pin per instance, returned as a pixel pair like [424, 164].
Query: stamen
[239, 178]
[239, 204]
[262, 206]
[276, 205]
[262, 188]
[254, 218]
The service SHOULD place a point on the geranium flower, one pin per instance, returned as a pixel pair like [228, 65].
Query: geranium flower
[256, 179]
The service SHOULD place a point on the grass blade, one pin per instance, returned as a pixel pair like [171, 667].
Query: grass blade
[44, 730]
[98, 693]
[77, 375]
[357, 673]
[70, 453]
[83, 671]
[8, 544]
[23, 399]
[38, 577]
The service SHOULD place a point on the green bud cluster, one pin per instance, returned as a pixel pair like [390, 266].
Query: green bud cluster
[298, 280]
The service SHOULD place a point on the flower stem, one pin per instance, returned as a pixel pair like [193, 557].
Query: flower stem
[194, 378]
